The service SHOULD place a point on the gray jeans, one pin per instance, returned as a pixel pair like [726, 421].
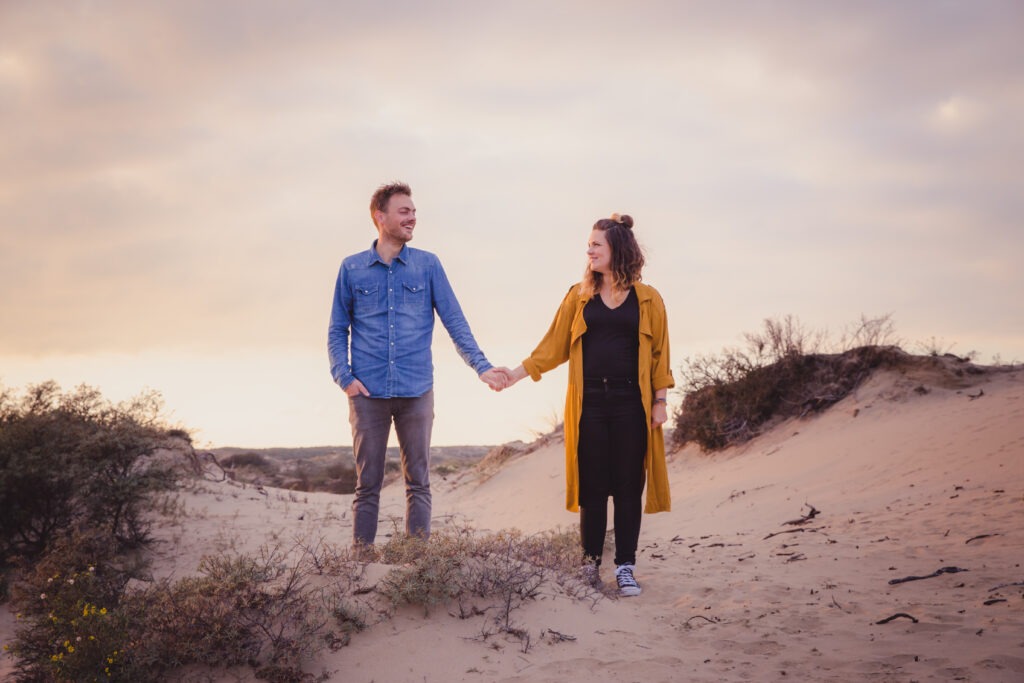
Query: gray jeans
[371, 420]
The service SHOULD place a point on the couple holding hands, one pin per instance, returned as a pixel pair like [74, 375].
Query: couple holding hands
[610, 327]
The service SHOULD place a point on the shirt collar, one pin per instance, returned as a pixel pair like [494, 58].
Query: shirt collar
[373, 257]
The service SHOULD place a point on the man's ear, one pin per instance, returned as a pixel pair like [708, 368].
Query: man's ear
[378, 218]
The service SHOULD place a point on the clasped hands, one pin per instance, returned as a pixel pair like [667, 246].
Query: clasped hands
[502, 378]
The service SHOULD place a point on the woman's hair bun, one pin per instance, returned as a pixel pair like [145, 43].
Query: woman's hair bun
[623, 220]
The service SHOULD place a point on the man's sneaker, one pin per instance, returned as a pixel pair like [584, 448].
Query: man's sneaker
[590, 574]
[624, 577]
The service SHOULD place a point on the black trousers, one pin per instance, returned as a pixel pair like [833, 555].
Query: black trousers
[612, 446]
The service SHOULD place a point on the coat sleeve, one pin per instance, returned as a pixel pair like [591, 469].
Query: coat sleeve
[553, 349]
[661, 365]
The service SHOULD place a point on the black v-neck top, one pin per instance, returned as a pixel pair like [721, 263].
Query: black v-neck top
[611, 342]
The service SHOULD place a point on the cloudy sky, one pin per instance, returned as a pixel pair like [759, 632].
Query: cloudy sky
[180, 180]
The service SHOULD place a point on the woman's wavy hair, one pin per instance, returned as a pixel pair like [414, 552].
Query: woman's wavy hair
[627, 256]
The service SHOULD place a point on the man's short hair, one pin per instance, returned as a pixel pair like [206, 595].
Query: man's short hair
[379, 200]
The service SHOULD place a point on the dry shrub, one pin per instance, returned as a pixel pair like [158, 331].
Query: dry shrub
[253, 610]
[484, 574]
[83, 618]
[250, 460]
[781, 373]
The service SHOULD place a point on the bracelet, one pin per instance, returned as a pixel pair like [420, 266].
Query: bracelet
[661, 400]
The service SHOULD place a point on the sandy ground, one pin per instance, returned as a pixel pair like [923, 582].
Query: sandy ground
[905, 484]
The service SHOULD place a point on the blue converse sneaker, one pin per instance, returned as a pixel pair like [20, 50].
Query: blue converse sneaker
[627, 584]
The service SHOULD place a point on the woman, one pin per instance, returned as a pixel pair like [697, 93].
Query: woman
[613, 331]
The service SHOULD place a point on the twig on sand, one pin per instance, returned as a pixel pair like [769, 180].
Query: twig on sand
[1006, 585]
[937, 572]
[791, 531]
[701, 616]
[814, 512]
[978, 538]
[898, 615]
[557, 637]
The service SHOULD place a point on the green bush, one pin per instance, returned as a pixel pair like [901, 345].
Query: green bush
[72, 460]
[71, 626]
[78, 619]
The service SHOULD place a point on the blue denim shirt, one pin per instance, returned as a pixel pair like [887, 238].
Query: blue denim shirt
[387, 312]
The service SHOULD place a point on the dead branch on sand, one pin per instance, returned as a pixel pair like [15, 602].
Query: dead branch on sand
[1006, 585]
[792, 531]
[701, 616]
[898, 615]
[937, 572]
[557, 637]
[814, 512]
[978, 538]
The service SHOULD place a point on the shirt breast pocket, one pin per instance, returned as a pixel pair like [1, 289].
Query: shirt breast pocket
[414, 296]
[364, 298]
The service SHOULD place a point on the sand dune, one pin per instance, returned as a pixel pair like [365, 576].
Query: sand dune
[908, 477]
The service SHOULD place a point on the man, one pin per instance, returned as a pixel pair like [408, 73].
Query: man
[382, 323]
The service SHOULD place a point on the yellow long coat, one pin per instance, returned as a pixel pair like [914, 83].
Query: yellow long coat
[564, 342]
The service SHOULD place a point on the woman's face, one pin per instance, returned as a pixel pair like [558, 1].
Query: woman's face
[599, 252]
